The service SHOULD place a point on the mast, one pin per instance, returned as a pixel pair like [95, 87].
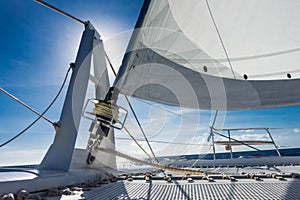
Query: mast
[60, 153]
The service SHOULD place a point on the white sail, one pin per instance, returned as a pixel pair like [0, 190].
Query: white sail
[214, 54]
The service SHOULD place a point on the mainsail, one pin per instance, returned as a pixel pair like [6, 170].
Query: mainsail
[214, 54]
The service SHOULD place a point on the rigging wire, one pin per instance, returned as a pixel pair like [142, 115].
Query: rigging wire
[59, 11]
[174, 113]
[134, 114]
[164, 142]
[219, 35]
[142, 130]
[210, 135]
[41, 115]
[131, 136]
[203, 124]
[215, 119]
[25, 105]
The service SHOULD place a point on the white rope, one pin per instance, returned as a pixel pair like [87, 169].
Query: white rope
[156, 165]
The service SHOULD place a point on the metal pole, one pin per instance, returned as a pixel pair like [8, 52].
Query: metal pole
[25, 105]
[215, 132]
[60, 11]
[231, 156]
[212, 134]
[273, 142]
[213, 142]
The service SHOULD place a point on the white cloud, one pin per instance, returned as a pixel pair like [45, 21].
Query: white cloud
[247, 131]
[252, 136]
[296, 130]
[21, 157]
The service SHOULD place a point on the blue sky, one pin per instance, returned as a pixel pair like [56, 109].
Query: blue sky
[37, 46]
